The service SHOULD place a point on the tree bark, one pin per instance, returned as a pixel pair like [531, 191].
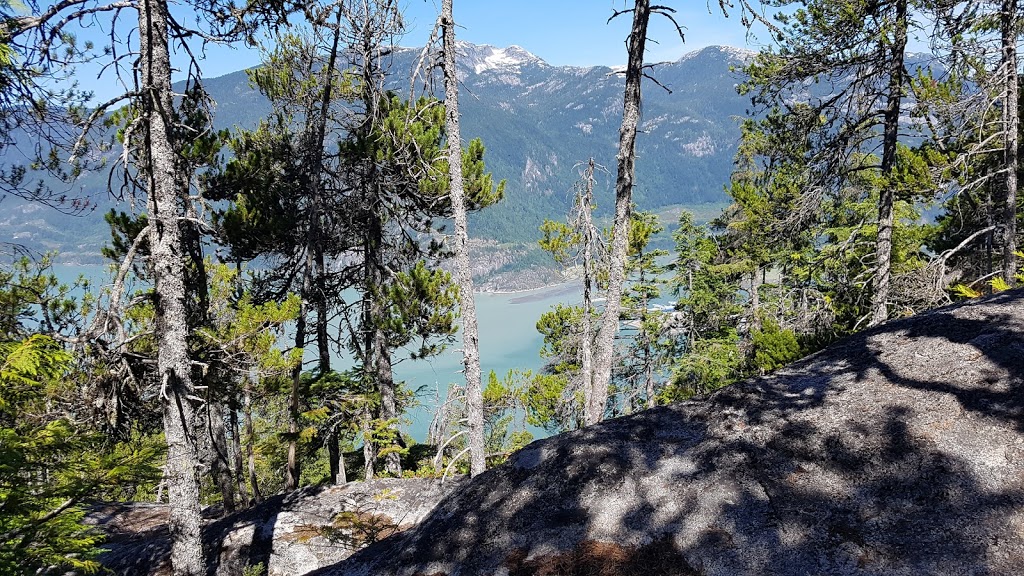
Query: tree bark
[388, 393]
[336, 460]
[604, 347]
[887, 195]
[236, 450]
[1011, 119]
[220, 461]
[470, 333]
[250, 448]
[167, 256]
[755, 300]
[644, 336]
[292, 471]
[586, 207]
[317, 237]
[369, 448]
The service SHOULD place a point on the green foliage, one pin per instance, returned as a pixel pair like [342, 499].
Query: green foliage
[560, 240]
[707, 288]
[423, 304]
[773, 346]
[31, 298]
[503, 399]
[244, 331]
[558, 326]
[258, 569]
[550, 403]
[262, 181]
[124, 229]
[48, 466]
[707, 365]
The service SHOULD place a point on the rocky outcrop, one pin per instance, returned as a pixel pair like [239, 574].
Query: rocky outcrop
[287, 535]
[510, 267]
[899, 451]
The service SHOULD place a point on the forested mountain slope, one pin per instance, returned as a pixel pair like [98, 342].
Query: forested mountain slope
[898, 451]
[537, 122]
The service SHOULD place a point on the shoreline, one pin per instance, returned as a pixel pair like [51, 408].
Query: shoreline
[521, 295]
[551, 291]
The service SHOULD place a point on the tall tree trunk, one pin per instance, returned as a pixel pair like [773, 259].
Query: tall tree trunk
[323, 346]
[317, 237]
[314, 172]
[377, 357]
[644, 336]
[167, 255]
[292, 471]
[755, 300]
[388, 395]
[470, 334]
[605, 345]
[384, 374]
[250, 441]
[236, 450]
[369, 448]
[586, 207]
[336, 460]
[1008, 27]
[220, 461]
[649, 375]
[887, 195]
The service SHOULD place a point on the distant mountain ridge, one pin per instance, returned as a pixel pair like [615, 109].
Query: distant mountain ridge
[538, 121]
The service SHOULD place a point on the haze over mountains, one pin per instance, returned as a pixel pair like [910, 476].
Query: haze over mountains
[538, 121]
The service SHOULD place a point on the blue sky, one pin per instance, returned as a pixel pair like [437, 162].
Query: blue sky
[562, 32]
[574, 32]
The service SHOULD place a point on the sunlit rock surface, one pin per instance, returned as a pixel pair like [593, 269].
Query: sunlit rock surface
[899, 451]
[288, 535]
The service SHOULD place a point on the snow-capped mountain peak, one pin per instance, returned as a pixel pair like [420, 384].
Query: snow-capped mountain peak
[483, 57]
[741, 55]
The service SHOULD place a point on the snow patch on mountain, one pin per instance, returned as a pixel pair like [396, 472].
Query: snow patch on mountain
[741, 55]
[483, 57]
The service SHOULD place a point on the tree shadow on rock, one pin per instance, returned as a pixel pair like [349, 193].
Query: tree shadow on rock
[898, 451]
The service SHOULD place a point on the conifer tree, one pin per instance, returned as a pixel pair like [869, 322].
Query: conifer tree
[624, 180]
[54, 455]
[974, 116]
[852, 56]
[154, 140]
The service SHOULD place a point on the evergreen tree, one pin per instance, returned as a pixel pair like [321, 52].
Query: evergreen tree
[847, 62]
[470, 337]
[974, 122]
[707, 311]
[646, 355]
[624, 181]
[53, 457]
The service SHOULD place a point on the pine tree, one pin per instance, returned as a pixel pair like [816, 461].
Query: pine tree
[852, 55]
[155, 140]
[624, 181]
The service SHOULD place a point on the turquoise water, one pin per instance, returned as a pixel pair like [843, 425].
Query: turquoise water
[508, 340]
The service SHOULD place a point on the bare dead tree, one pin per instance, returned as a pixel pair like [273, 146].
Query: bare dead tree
[1009, 29]
[626, 168]
[456, 193]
